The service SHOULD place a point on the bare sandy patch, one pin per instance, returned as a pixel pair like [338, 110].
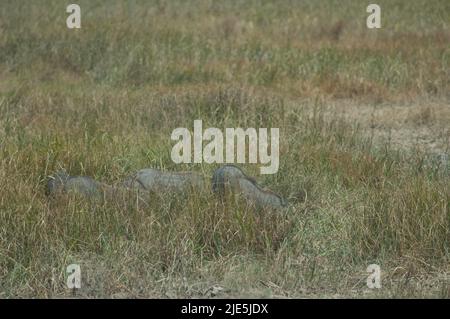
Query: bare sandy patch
[423, 125]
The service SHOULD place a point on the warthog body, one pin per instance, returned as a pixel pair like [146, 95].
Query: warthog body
[231, 179]
[159, 181]
[63, 182]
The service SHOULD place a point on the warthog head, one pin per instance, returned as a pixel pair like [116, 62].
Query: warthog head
[231, 178]
[56, 182]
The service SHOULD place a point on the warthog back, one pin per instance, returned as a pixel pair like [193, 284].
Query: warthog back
[159, 181]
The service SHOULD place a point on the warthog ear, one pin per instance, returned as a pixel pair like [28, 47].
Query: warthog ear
[50, 186]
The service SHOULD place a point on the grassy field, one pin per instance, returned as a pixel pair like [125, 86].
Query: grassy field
[364, 121]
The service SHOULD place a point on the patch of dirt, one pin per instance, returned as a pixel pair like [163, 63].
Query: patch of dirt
[423, 125]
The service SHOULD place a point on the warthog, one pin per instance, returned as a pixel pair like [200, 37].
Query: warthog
[61, 182]
[226, 179]
[231, 179]
[154, 180]
[144, 181]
